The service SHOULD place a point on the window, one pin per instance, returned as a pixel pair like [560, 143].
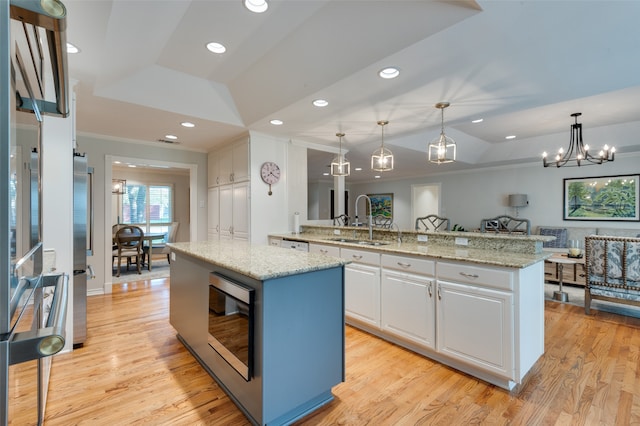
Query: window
[149, 207]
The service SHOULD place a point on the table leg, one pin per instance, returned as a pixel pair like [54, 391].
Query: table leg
[150, 254]
[560, 295]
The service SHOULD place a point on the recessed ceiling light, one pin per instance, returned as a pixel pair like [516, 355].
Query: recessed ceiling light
[116, 162]
[187, 124]
[377, 176]
[479, 120]
[71, 48]
[358, 169]
[320, 103]
[276, 122]
[510, 137]
[172, 137]
[257, 6]
[216, 47]
[389, 72]
[133, 166]
[325, 174]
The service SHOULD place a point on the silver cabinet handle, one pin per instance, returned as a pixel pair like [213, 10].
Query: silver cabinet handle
[217, 228]
[356, 256]
[430, 289]
[323, 251]
[217, 180]
[404, 265]
[231, 177]
[439, 293]
[464, 274]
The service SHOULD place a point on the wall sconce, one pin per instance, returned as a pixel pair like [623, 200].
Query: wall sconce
[518, 200]
[118, 186]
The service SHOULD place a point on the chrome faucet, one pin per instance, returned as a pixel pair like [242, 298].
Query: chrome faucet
[399, 231]
[370, 214]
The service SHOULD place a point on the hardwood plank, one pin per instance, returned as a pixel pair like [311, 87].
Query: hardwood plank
[133, 370]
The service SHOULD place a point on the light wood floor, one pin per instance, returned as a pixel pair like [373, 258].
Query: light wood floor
[132, 370]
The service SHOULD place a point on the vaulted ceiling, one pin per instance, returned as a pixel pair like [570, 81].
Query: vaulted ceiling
[521, 66]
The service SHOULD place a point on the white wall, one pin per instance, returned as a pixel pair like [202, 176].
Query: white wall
[468, 197]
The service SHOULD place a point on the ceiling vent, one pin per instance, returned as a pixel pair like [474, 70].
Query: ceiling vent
[169, 141]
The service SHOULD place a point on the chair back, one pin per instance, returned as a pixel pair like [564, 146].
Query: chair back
[381, 221]
[341, 220]
[173, 231]
[506, 224]
[130, 238]
[432, 222]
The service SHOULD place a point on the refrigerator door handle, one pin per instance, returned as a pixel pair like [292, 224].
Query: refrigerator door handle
[49, 340]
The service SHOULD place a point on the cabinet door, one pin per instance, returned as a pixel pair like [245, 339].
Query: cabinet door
[240, 170]
[225, 165]
[212, 169]
[241, 211]
[475, 326]
[362, 293]
[408, 307]
[213, 227]
[226, 211]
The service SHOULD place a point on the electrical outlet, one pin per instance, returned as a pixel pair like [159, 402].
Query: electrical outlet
[173, 256]
[423, 238]
[336, 232]
[460, 241]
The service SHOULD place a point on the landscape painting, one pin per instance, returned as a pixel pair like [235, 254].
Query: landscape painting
[381, 205]
[610, 198]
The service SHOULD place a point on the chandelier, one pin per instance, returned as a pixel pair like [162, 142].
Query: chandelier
[578, 153]
[340, 166]
[443, 148]
[382, 158]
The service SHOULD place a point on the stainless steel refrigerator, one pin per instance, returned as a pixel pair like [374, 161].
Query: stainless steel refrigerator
[32, 304]
[82, 243]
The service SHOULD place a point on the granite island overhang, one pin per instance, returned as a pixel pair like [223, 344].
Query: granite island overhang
[282, 344]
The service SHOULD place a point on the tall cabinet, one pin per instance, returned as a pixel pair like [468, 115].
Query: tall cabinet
[229, 190]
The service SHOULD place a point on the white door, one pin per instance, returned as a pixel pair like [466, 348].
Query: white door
[213, 227]
[425, 200]
[362, 293]
[226, 211]
[475, 326]
[408, 307]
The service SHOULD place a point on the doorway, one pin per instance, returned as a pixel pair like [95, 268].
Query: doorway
[425, 200]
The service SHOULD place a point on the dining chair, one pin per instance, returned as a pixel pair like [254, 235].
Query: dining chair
[129, 241]
[162, 247]
[432, 222]
[341, 220]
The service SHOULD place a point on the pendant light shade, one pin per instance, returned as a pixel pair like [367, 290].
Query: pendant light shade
[578, 153]
[382, 158]
[443, 148]
[340, 166]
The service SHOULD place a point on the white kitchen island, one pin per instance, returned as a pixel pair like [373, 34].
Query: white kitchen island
[291, 350]
[476, 306]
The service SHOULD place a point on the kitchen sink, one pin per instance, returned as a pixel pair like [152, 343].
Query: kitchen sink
[361, 242]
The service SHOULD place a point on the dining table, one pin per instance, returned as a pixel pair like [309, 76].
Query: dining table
[149, 237]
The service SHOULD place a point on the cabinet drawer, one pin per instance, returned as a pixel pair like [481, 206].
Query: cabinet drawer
[324, 249]
[489, 277]
[408, 264]
[360, 256]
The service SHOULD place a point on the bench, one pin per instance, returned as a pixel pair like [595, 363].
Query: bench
[612, 270]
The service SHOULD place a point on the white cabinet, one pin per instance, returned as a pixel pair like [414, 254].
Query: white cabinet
[234, 211]
[475, 326]
[229, 164]
[362, 287]
[213, 224]
[324, 249]
[408, 299]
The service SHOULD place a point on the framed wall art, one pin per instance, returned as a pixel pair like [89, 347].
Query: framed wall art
[381, 205]
[608, 198]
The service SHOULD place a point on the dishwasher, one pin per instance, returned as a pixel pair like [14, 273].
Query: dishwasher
[296, 245]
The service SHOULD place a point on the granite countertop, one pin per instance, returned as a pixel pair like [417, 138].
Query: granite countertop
[256, 261]
[498, 257]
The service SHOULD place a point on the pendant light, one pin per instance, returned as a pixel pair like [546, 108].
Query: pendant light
[443, 148]
[340, 166]
[382, 158]
[578, 153]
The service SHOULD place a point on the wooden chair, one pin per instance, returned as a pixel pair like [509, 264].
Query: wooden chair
[129, 241]
[341, 220]
[506, 224]
[432, 222]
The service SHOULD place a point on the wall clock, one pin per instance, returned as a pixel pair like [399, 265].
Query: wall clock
[270, 174]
